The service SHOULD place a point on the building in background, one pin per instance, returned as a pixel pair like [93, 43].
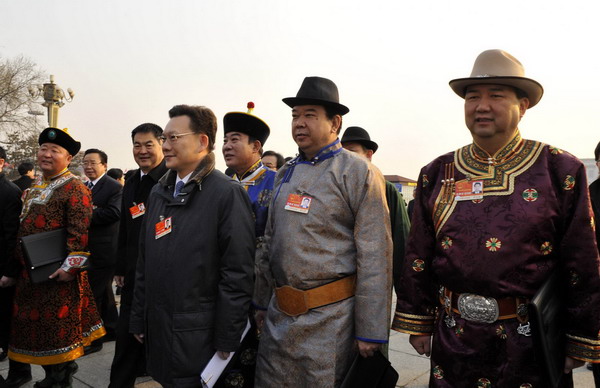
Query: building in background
[404, 185]
[590, 169]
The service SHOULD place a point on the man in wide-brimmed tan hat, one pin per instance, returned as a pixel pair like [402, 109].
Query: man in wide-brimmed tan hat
[477, 258]
[328, 254]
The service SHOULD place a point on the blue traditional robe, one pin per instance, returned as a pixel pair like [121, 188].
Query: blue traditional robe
[258, 182]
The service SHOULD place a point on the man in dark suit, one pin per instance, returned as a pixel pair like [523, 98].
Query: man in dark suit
[103, 234]
[27, 174]
[130, 360]
[10, 209]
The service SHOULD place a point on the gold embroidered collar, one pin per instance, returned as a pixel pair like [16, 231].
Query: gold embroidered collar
[500, 170]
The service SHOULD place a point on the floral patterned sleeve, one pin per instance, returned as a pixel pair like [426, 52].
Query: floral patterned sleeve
[78, 216]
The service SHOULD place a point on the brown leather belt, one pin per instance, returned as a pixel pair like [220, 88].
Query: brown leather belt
[294, 302]
[507, 308]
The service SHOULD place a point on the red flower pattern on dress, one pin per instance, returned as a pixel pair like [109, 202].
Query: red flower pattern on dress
[40, 221]
[61, 322]
[63, 312]
[34, 315]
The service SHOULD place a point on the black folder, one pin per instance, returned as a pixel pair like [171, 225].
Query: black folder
[372, 372]
[44, 253]
[546, 315]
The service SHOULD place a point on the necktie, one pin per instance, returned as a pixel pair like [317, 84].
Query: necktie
[90, 184]
[178, 188]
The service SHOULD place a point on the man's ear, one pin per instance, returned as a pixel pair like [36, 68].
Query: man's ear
[337, 123]
[256, 146]
[203, 142]
[523, 105]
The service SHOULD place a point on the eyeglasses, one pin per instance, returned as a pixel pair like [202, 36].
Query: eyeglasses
[174, 137]
[91, 163]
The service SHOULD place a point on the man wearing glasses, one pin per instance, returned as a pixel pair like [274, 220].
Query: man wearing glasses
[103, 233]
[194, 276]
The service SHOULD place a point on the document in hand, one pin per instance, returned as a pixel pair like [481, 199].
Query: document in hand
[44, 253]
[216, 365]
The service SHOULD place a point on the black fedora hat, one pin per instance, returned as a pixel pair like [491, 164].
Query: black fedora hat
[318, 91]
[359, 135]
[60, 137]
[247, 123]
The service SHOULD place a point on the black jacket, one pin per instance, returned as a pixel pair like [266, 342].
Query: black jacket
[104, 228]
[136, 191]
[193, 285]
[595, 198]
[10, 210]
[24, 182]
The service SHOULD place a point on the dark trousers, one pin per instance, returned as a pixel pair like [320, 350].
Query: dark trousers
[130, 358]
[101, 283]
[6, 298]
[596, 369]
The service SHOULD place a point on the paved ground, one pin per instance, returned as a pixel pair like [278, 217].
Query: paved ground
[94, 369]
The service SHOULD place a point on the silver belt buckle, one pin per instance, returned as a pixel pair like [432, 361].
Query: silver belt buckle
[477, 308]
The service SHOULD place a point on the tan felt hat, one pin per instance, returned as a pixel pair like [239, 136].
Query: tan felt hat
[499, 67]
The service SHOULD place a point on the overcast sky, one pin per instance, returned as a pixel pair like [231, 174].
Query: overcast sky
[130, 61]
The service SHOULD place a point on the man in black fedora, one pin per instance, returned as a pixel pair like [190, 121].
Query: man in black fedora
[357, 140]
[475, 260]
[327, 253]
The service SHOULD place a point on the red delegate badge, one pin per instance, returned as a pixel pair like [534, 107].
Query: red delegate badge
[469, 190]
[298, 203]
[137, 210]
[162, 228]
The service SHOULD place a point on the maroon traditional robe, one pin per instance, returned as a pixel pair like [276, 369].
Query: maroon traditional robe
[534, 216]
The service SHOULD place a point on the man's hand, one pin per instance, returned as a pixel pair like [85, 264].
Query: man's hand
[421, 343]
[139, 337]
[571, 363]
[62, 276]
[367, 349]
[120, 280]
[259, 318]
[222, 355]
[5, 281]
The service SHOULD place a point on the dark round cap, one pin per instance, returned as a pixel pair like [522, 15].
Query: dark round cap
[359, 135]
[247, 123]
[60, 137]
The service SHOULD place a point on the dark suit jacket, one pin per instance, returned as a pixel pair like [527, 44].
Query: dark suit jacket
[136, 191]
[24, 182]
[595, 198]
[104, 228]
[10, 209]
